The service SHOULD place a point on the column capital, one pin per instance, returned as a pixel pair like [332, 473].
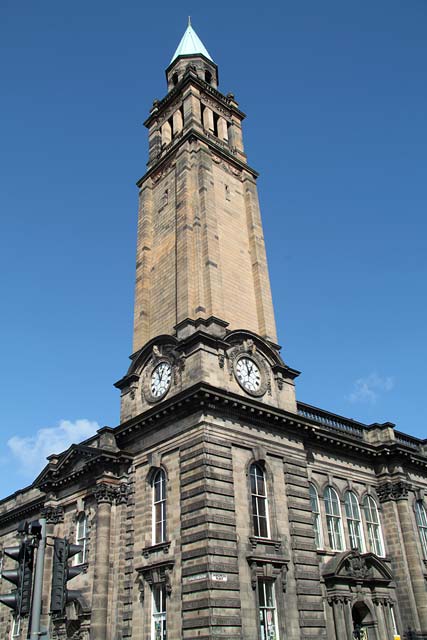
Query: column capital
[105, 493]
[396, 490]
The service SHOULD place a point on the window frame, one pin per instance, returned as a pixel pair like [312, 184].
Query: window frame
[354, 520]
[421, 522]
[161, 615]
[263, 609]
[159, 505]
[259, 499]
[317, 517]
[373, 527]
[81, 557]
[333, 519]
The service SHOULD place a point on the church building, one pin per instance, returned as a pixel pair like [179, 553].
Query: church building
[222, 506]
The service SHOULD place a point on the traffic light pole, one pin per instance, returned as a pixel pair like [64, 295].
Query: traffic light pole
[35, 633]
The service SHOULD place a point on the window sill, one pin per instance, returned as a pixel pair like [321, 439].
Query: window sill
[155, 548]
[266, 542]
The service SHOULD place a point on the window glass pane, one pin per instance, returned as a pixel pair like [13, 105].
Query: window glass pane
[159, 613]
[421, 518]
[159, 507]
[263, 529]
[261, 507]
[259, 502]
[373, 526]
[267, 611]
[352, 512]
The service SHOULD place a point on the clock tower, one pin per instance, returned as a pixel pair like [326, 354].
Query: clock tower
[201, 265]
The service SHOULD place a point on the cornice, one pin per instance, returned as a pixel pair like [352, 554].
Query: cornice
[202, 396]
[194, 133]
[190, 77]
[22, 511]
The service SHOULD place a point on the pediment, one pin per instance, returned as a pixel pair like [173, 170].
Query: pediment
[352, 566]
[77, 461]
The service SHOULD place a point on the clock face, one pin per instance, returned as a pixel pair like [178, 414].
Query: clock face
[248, 374]
[161, 379]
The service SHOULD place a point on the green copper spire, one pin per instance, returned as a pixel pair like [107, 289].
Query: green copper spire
[190, 44]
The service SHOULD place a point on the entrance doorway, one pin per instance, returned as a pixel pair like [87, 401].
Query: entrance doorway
[363, 623]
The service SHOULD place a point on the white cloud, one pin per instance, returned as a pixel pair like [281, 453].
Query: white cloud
[31, 451]
[368, 389]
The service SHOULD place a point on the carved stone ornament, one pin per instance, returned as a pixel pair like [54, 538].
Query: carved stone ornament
[53, 515]
[158, 573]
[393, 490]
[213, 104]
[105, 493]
[122, 493]
[338, 598]
[274, 569]
[158, 175]
[248, 348]
[227, 166]
[357, 567]
[173, 358]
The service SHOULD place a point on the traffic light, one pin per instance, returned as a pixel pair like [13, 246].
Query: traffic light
[61, 573]
[22, 577]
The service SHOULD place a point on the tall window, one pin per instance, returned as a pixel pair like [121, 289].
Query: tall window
[333, 519]
[259, 502]
[354, 524]
[159, 507]
[81, 538]
[269, 629]
[317, 523]
[158, 625]
[375, 537]
[421, 517]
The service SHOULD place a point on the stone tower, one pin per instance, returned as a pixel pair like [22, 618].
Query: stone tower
[201, 265]
[200, 248]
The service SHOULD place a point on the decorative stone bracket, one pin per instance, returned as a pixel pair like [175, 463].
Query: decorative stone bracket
[53, 515]
[154, 574]
[268, 568]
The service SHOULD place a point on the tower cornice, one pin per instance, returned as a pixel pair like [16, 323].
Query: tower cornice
[210, 141]
[190, 77]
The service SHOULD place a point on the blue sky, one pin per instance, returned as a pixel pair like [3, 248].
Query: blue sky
[335, 94]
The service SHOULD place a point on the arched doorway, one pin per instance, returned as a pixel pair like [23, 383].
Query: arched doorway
[363, 623]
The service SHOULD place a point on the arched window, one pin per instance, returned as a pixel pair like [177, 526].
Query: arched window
[317, 523]
[208, 77]
[333, 519]
[375, 536]
[259, 502]
[421, 517]
[81, 538]
[355, 531]
[159, 507]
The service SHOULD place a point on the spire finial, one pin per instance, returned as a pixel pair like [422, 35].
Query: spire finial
[191, 44]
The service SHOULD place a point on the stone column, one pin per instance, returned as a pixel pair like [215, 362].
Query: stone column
[348, 618]
[104, 495]
[338, 605]
[397, 534]
[414, 561]
[380, 604]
